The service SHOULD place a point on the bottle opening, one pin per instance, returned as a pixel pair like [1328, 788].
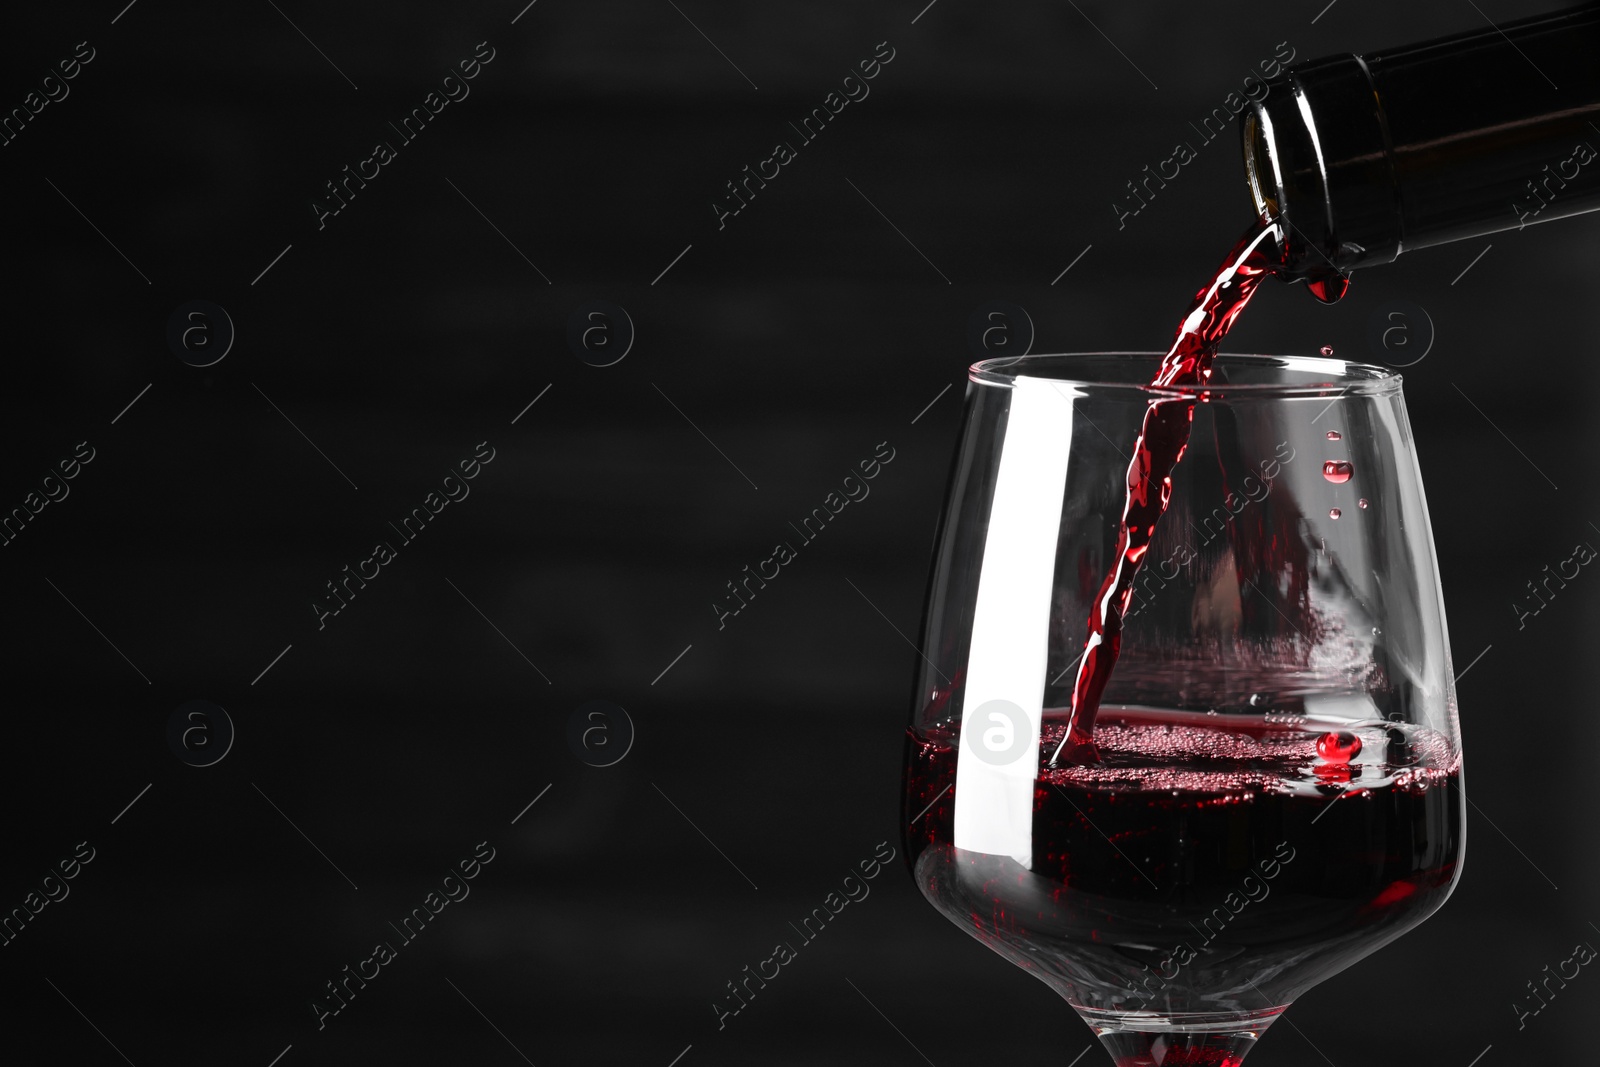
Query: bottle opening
[1258, 163]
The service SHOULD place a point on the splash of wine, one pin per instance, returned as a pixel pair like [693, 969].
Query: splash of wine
[1162, 440]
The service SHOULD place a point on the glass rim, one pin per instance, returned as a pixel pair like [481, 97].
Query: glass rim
[1344, 377]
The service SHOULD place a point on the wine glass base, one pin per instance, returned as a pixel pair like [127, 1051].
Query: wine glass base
[1187, 1039]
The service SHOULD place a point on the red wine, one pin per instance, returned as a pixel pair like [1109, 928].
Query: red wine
[1213, 864]
[1161, 443]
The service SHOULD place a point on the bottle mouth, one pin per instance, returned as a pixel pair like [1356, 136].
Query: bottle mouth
[1317, 158]
[1260, 164]
[1269, 193]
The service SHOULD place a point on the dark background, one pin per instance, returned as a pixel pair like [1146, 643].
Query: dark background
[796, 339]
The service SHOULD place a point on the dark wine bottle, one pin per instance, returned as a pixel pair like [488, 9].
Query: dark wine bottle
[1364, 157]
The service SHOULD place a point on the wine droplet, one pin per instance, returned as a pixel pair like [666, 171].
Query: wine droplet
[1335, 435]
[1334, 513]
[1326, 350]
[1362, 503]
[1256, 700]
[1329, 288]
[1339, 746]
[1338, 471]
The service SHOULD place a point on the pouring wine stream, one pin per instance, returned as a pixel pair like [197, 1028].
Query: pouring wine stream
[1162, 439]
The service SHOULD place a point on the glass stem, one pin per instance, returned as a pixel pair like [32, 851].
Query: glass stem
[1134, 1048]
[1216, 1041]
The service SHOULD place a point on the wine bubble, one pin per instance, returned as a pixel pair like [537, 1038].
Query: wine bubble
[1339, 746]
[1335, 435]
[1334, 513]
[1256, 700]
[1326, 350]
[1338, 471]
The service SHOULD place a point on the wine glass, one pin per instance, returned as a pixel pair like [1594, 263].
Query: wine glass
[1274, 785]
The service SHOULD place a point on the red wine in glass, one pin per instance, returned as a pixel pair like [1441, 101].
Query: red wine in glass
[1202, 866]
[1271, 790]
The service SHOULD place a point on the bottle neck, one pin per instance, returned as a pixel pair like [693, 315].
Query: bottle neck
[1363, 157]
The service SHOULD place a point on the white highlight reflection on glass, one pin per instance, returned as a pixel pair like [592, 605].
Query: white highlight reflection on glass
[1011, 626]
